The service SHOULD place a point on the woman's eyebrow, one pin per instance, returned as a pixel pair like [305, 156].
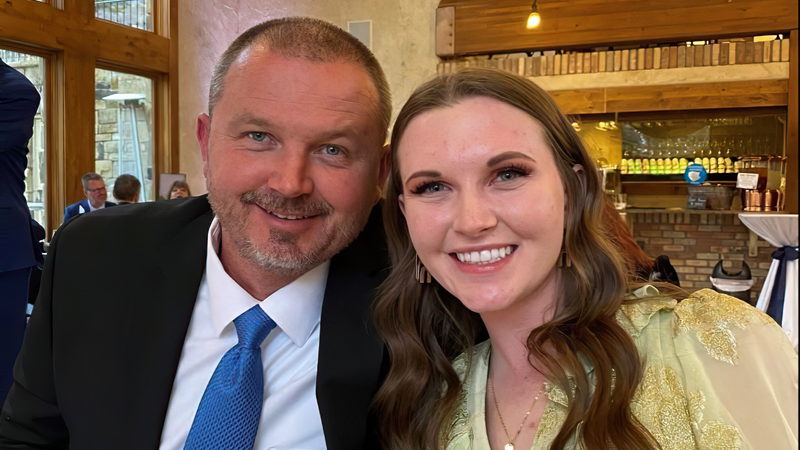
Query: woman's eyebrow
[424, 173]
[494, 160]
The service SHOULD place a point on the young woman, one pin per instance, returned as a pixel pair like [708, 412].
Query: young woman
[493, 218]
[179, 189]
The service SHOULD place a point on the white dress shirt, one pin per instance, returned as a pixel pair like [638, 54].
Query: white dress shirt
[290, 416]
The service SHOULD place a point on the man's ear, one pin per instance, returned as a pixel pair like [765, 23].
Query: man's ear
[203, 135]
[402, 203]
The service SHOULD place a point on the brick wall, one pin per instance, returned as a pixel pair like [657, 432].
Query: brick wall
[696, 241]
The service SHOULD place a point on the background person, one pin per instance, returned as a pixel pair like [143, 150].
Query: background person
[94, 186]
[20, 251]
[179, 189]
[492, 190]
[126, 189]
[277, 265]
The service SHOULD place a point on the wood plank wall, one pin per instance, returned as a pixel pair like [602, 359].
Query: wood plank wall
[498, 26]
[73, 43]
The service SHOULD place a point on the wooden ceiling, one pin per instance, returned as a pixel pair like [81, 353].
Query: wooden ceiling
[498, 26]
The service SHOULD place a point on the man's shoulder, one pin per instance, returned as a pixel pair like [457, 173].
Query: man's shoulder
[369, 251]
[161, 218]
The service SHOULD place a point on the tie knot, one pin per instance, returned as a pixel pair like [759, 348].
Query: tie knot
[253, 326]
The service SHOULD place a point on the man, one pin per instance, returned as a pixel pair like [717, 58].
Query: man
[126, 189]
[292, 151]
[96, 194]
[19, 101]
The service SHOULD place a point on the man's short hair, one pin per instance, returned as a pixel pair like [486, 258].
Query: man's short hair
[310, 39]
[126, 187]
[89, 177]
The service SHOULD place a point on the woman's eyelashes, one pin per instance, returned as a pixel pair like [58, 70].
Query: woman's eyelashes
[511, 173]
[428, 187]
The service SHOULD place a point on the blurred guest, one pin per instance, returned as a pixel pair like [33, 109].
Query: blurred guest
[640, 266]
[96, 195]
[126, 189]
[179, 189]
[19, 101]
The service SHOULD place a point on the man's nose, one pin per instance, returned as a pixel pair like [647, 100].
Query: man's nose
[290, 175]
[473, 215]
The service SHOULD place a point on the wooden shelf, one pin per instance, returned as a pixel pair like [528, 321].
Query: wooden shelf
[675, 178]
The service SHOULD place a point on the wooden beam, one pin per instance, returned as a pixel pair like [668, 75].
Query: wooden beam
[791, 128]
[498, 26]
[445, 31]
[677, 97]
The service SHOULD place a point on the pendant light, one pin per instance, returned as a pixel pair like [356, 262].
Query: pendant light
[533, 17]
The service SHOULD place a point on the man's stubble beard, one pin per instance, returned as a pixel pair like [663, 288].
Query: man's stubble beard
[281, 254]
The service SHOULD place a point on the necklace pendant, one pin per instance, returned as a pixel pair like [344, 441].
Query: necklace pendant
[509, 446]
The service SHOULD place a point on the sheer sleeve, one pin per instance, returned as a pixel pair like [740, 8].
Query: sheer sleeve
[719, 375]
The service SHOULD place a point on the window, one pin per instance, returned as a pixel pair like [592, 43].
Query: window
[123, 129]
[133, 13]
[33, 67]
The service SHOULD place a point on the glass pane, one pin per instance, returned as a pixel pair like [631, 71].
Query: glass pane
[133, 13]
[123, 129]
[36, 173]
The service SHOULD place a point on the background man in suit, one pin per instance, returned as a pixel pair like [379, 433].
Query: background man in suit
[19, 101]
[292, 150]
[126, 189]
[94, 186]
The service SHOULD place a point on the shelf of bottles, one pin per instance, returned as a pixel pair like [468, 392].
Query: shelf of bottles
[667, 147]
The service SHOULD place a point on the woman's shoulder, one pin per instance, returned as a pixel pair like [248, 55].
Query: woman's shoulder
[716, 320]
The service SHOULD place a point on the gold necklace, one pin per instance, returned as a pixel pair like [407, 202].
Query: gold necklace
[510, 445]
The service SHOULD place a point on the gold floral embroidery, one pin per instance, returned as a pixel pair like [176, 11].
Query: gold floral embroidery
[459, 423]
[718, 436]
[711, 316]
[714, 435]
[660, 406]
[550, 424]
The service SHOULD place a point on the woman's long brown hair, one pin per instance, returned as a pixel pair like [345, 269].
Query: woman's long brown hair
[424, 326]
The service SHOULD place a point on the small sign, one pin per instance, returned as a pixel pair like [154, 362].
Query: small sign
[747, 180]
[695, 174]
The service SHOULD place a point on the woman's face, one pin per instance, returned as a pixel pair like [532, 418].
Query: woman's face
[178, 192]
[484, 202]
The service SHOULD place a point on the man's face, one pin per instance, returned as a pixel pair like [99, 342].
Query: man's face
[96, 192]
[292, 158]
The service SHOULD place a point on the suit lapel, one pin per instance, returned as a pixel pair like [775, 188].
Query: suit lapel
[350, 352]
[158, 327]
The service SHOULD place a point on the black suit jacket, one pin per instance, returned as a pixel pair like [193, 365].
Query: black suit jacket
[19, 101]
[97, 366]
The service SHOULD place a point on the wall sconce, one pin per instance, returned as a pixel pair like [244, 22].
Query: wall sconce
[533, 18]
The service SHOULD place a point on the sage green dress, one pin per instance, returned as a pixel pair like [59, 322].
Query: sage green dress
[719, 374]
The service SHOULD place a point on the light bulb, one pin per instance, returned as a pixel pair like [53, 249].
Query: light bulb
[534, 20]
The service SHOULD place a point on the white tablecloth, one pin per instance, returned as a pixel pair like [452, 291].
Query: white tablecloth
[779, 230]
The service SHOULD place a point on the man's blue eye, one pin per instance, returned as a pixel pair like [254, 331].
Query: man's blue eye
[258, 137]
[332, 150]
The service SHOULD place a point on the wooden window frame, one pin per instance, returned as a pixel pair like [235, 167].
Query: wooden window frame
[74, 43]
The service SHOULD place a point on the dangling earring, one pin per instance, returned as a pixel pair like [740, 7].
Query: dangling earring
[564, 259]
[420, 273]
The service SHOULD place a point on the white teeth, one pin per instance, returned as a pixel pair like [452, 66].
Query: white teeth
[485, 256]
[288, 217]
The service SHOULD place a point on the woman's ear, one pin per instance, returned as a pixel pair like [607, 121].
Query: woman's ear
[401, 202]
[581, 175]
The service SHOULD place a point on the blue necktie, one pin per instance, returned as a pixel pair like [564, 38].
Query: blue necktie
[230, 409]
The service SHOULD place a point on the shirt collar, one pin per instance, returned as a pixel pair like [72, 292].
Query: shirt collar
[295, 308]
